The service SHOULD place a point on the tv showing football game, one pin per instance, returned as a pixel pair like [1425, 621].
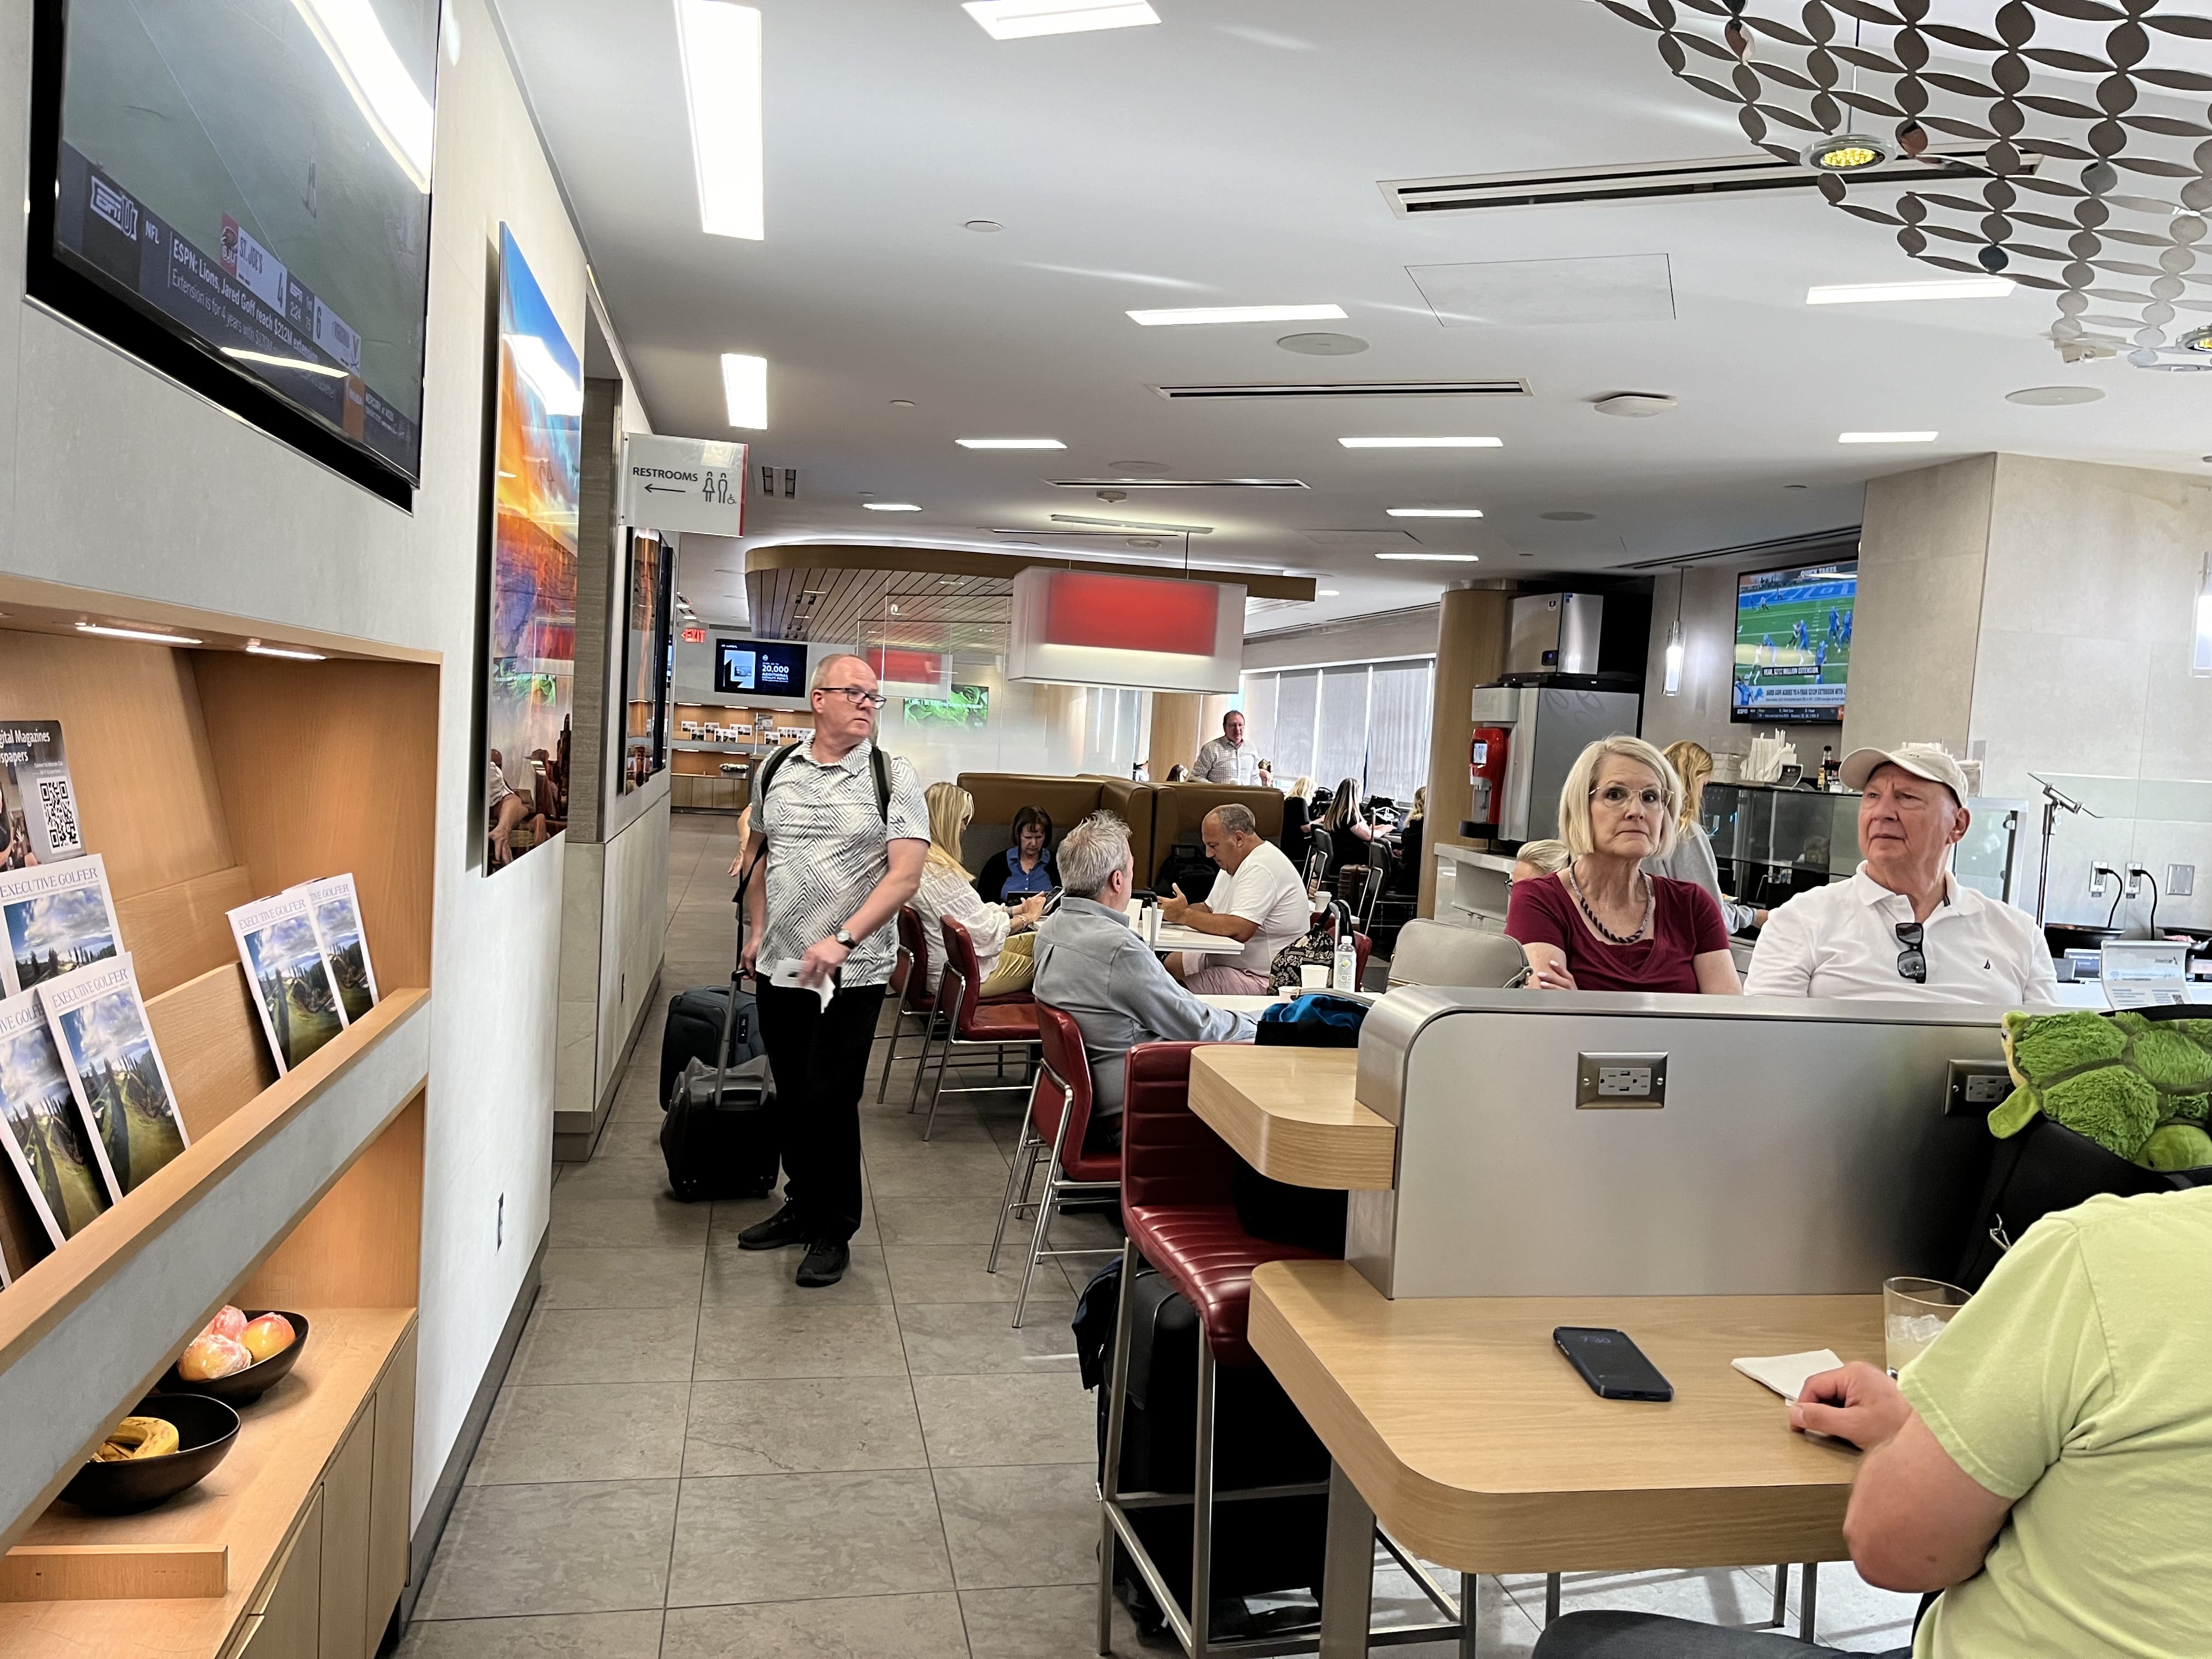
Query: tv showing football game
[1793, 643]
[240, 195]
[769, 668]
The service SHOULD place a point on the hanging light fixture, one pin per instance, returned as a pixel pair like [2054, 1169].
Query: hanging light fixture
[1673, 682]
[2200, 663]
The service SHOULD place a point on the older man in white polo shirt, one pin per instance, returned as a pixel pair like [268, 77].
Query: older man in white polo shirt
[1903, 929]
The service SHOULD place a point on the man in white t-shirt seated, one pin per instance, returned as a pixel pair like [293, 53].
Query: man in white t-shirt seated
[1904, 929]
[1258, 899]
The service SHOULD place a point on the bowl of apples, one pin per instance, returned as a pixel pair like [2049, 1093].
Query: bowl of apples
[240, 1356]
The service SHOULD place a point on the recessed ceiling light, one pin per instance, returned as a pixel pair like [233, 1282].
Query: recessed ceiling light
[146, 635]
[983, 227]
[902, 402]
[891, 507]
[1422, 443]
[254, 648]
[1952, 288]
[1010, 443]
[1568, 517]
[2055, 397]
[1328, 593]
[1139, 469]
[1433, 558]
[1323, 345]
[2197, 339]
[1846, 152]
[1193, 316]
[1435, 512]
[1885, 437]
[1635, 405]
[1020, 20]
[1796, 486]
[1143, 541]
[745, 391]
[721, 47]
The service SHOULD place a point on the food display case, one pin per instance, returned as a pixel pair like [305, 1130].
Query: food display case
[1772, 842]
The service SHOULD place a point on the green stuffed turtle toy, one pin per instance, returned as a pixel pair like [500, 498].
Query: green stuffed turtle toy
[2137, 1087]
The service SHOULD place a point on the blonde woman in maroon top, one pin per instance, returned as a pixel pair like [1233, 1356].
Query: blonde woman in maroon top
[1602, 923]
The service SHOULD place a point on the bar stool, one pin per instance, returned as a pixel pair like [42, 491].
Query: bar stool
[917, 996]
[1177, 1205]
[970, 1022]
[1053, 1134]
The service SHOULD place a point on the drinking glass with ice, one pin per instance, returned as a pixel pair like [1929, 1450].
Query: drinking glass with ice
[1914, 1312]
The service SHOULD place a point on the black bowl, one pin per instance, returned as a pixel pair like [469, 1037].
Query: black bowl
[244, 1387]
[2065, 936]
[206, 1430]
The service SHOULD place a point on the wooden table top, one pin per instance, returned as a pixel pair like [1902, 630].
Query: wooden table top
[1290, 1114]
[1477, 1443]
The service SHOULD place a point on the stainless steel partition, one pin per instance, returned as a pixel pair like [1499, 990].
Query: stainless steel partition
[1780, 1147]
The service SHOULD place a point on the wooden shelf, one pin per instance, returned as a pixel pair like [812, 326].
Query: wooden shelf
[248, 1507]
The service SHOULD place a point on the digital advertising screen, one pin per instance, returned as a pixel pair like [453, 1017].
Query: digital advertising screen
[767, 668]
[1793, 643]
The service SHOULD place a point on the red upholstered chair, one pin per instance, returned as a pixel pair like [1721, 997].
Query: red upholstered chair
[1052, 1134]
[1362, 947]
[917, 996]
[970, 1022]
[1177, 1205]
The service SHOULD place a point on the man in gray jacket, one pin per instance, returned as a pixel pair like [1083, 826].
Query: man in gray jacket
[1091, 965]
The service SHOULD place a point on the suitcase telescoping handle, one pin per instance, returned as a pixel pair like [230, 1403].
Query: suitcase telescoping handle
[736, 980]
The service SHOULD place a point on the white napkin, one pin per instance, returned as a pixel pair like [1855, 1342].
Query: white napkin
[787, 974]
[1786, 1373]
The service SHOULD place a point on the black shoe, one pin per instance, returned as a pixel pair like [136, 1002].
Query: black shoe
[826, 1259]
[786, 1226]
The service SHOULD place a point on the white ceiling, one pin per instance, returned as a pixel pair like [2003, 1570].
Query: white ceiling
[1232, 156]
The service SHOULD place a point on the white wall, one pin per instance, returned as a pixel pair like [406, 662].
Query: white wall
[218, 515]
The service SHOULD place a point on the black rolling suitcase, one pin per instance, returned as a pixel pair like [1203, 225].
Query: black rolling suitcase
[718, 1136]
[1267, 1546]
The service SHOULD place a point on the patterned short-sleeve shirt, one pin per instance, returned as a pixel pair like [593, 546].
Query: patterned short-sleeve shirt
[828, 845]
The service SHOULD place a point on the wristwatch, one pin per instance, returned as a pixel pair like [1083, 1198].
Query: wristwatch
[843, 938]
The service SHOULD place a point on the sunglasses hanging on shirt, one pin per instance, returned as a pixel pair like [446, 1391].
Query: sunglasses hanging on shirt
[1912, 960]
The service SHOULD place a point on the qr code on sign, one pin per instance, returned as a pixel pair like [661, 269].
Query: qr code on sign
[58, 804]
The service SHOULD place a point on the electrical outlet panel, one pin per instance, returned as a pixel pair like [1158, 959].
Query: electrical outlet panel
[1613, 1082]
[1975, 1086]
[2180, 880]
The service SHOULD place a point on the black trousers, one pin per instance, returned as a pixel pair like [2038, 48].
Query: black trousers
[820, 1059]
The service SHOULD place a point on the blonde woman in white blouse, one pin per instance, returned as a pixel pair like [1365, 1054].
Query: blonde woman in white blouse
[1004, 938]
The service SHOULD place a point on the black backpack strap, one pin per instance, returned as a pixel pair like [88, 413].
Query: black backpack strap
[882, 765]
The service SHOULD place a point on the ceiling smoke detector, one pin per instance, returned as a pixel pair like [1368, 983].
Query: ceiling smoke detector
[1635, 405]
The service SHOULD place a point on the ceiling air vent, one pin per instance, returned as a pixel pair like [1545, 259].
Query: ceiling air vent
[1294, 391]
[1723, 175]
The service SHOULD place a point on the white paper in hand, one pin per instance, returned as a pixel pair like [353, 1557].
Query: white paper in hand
[1787, 1373]
[787, 975]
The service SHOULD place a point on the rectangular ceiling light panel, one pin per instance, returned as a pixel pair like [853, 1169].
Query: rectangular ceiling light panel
[1095, 628]
[1296, 391]
[1192, 317]
[1177, 483]
[745, 391]
[1885, 437]
[1010, 443]
[722, 46]
[1422, 443]
[1022, 20]
[1954, 288]
[1435, 512]
[1433, 558]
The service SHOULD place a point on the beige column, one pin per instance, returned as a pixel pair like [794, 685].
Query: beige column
[1176, 734]
[1471, 629]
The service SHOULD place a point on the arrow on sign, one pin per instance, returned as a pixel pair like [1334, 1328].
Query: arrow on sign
[663, 490]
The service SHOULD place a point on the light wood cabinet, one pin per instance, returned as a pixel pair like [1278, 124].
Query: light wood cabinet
[346, 1491]
[392, 1488]
[287, 1623]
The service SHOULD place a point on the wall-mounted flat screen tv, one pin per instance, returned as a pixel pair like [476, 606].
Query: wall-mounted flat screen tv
[769, 668]
[967, 705]
[239, 192]
[1793, 643]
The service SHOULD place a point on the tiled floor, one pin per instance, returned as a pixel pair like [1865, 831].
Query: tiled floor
[694, 1459]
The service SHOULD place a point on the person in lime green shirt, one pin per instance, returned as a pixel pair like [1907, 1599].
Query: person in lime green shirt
[2046, 1464]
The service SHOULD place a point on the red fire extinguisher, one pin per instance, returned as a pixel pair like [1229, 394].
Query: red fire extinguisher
[1485, 771]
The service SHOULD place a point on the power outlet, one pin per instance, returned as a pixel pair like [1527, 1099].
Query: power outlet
[1976, 1087]
[2180, 880]
[1614, 1082]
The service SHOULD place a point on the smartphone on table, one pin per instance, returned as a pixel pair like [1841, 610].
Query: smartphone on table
[1613, 1365]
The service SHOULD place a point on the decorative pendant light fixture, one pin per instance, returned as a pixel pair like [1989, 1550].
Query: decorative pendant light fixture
[1672, 686]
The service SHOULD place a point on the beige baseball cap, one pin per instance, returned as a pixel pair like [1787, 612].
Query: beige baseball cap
[1923, 760]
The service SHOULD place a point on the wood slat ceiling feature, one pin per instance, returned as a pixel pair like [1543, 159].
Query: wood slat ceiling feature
[935, 612]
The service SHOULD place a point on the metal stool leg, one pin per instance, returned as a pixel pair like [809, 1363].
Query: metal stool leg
[1348, 1589]
[1781, 1595]
[929, 1024]
[1468, 1605]
[1550, 1596]
[943, 1049]
[890, 1053]
[1013, 1175]
[1201, 1510]
[1109, 1484]
[1808, 1602]
[1045, 1202]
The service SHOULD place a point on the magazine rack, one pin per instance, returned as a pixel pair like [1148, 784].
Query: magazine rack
[206, 777]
